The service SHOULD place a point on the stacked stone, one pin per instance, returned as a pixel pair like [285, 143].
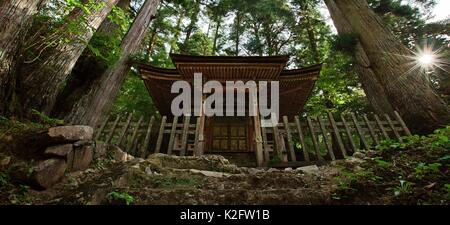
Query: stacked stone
[70, 149]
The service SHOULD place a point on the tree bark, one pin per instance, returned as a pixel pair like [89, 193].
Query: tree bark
[177, 31]
[409, 92]
[237, 22]
[191, 26]
[151, 44]
[216, 34]
[98, 100]
[372, 87]
[87, 70]
[310, 31]
[15, 20]
[43, 78]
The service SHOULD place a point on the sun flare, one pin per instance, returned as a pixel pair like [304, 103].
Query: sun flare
[426, 59]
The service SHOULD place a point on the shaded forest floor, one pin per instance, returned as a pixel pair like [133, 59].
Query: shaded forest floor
[413, 172]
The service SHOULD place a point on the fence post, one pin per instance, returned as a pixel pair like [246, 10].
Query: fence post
[172, 135]
[113, 129]
[302, 138]
[313, 137]
[325, 138]
[147, 137]
[360, 132]
[337, 134]
[289, 138]
[160, 134]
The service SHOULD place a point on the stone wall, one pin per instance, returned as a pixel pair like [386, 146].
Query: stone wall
[56, 151]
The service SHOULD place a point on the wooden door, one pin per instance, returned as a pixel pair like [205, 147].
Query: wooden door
[229, 135]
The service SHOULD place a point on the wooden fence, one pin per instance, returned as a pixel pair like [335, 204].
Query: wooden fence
[313, 139]
[307, 139]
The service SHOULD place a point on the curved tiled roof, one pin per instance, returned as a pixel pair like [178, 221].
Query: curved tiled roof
[295, 85]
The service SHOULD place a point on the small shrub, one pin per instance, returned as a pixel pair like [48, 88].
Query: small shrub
[120, 197]
[381, 163]
[404, 188]
[424, 168]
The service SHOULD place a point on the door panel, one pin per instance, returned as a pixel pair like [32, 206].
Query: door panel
[229, 135]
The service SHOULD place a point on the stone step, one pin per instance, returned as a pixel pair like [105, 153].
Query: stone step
[303, 196]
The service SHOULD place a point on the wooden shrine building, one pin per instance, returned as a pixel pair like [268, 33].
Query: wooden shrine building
[237, 138]
[298, 139]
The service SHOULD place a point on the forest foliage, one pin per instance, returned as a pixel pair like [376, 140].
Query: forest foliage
[267, 27]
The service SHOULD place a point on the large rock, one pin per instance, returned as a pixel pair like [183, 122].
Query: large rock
[59, 150]
[313, 169]
[71, 133]
[118, 155]
[81, 158]
[49, 172]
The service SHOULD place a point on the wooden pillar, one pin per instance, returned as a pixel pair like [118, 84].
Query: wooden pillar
[258, 136]
[199, 146]
[266, 146]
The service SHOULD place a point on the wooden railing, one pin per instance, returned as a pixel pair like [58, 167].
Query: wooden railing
[327, 138]
[291, 142]
[140, 138]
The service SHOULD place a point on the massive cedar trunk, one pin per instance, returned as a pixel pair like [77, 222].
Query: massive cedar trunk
[409, 92]
[15, 20]
[87, 69]
[99, 98]
[372, 87]
[43, 78]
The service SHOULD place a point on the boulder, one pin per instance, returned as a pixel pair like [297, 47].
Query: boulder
[71, 133]
[273, 170]
[81, 158]
[48, 172]
[358, 155]
[59, 150]
[308, 169]
[119, 155]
